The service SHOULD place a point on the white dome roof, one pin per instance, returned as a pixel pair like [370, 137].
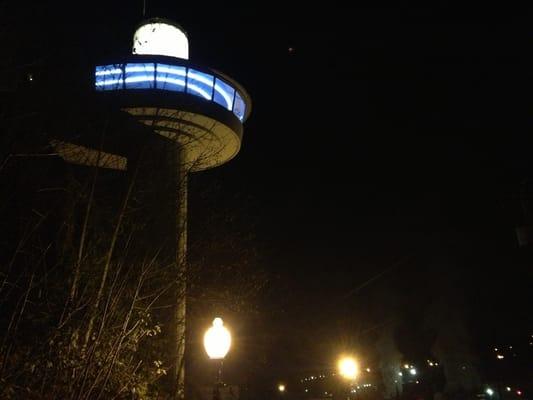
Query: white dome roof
[159, 37]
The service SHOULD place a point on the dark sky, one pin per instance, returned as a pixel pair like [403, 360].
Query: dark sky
[392, 137]
[389, 134]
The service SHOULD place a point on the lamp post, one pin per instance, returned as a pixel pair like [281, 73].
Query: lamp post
[349, 370]
[217, 341]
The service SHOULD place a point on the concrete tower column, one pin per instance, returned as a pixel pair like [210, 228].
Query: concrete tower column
[181, 269]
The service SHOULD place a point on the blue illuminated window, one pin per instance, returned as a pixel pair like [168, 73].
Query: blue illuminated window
[108, 77]
[223, 94]
[200, 84]
[170, 77]
[139, 75]
[239, 107]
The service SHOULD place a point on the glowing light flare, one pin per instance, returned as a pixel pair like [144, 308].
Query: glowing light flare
[348, 367]
[489, 391]
[217, 340]
[412, 371]
[281, 388]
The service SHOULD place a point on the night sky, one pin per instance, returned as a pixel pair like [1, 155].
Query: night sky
[387, 135]
[386, 142]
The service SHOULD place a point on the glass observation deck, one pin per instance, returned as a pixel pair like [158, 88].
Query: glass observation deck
[171, 77]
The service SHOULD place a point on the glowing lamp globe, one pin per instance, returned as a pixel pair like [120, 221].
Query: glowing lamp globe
[348, 368]
[161, 37]
[217, 340]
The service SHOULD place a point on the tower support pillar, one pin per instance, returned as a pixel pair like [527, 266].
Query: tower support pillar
[181, 269]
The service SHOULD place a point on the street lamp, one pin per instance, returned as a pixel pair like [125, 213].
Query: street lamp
[348, 368]
[217, 341]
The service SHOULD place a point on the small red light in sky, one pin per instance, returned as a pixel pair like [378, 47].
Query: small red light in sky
[291, 49]
[519, 392]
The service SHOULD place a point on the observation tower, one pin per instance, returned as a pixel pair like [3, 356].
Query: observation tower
[199, 111]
